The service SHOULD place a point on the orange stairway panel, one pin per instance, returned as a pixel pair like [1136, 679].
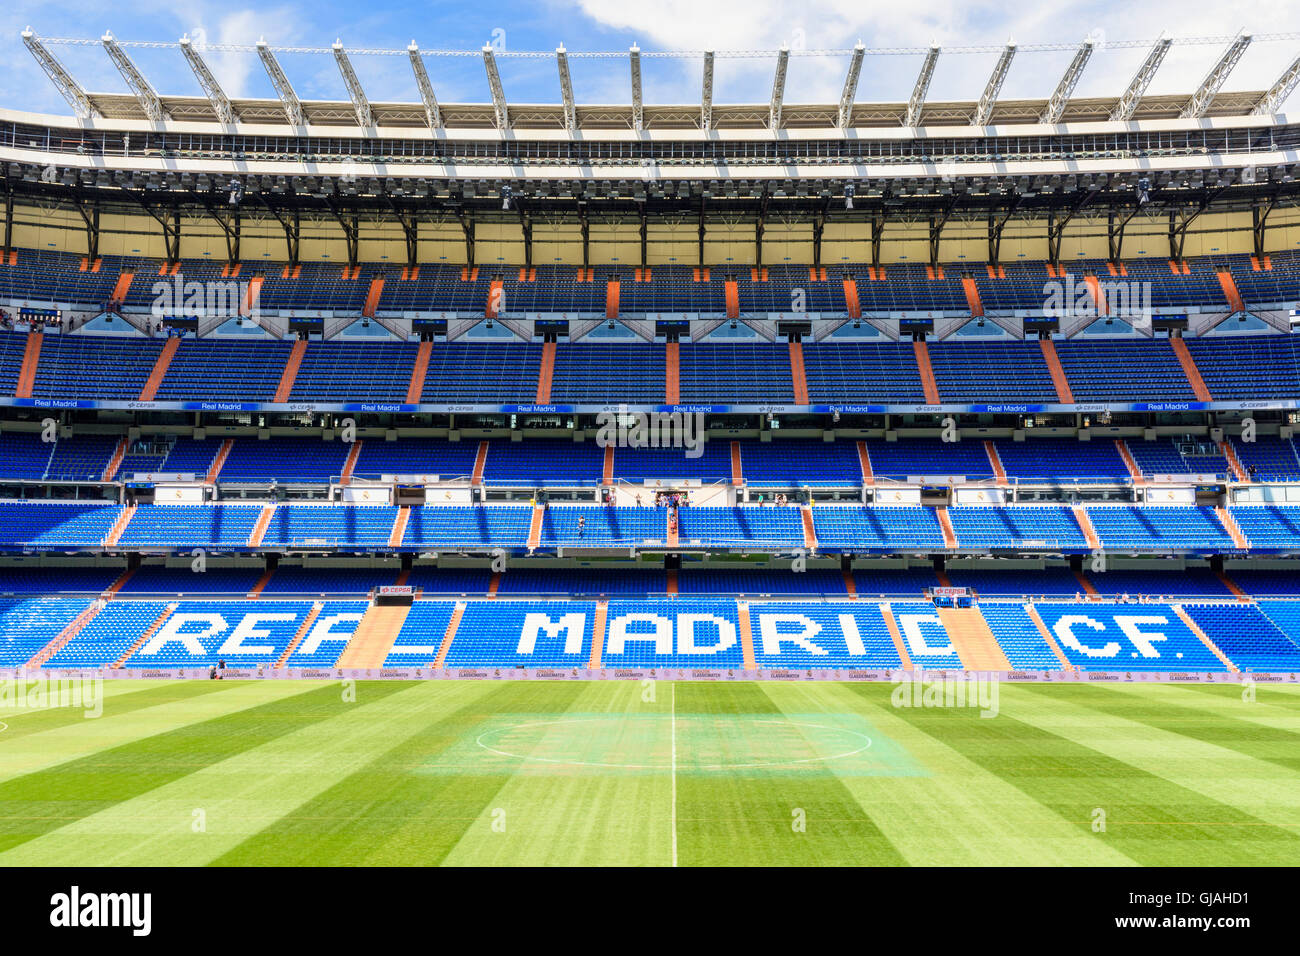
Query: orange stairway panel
[1098, 295]
[995, 462]
[415, 390]
[891, 625]
[851, 300]
[535, 528]
[1230, 292]
[546, 373]
[449, 635]
[1047, 637]
[607, 466]
[611, 299]
[973, 640]
[1204, 638]
[672, 373]
[398, 532]
[160, 369]
[737, 466]
[31, 358]
[374, 636]
[495, 300]
[372, 295]
[850, 586]
[1054, 368]
[1230, 525]
[973, 300]
[949, 536]
[1231, 585]
[798, 375]
[214, 470]
[670, 584]
[290, 373]
[671, 528]
[1190, 370]
[750, 662]
[1230, 455]
[303, 630]
[114, 463]
[262, 582]
[733, 299]
[119, 583]
[480, 462]
[350, 464]
[252, 296]
[139, 642]
[75, 627]
[926, 371]
[1134, 472]
[864, 460]
[259, 529]
[115, 533]
[1085, 525]
[598, 635]
[123, 285]
[809, 533]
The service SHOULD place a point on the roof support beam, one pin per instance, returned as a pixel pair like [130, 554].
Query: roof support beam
[61, 78]
[1128, 103]
[917, 102]
[851, 86]
[494, 84]
[1200, 102]
[293, 111]
[706, 95]
[778, 88]
[432, 114]
[1061, 97]
[984, 109]
[221, 104]
[638, 110]
[566, 89]
[365, 118]
[1277, 93]
[144, 93]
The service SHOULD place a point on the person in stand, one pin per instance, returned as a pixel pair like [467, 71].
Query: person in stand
[582, 524]
[638, 499]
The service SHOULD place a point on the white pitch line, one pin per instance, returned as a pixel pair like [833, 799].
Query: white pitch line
[673, 706]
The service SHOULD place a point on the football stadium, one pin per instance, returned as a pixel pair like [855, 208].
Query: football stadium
[480, 456]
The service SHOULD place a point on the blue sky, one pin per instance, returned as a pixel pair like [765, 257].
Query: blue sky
[596, 25]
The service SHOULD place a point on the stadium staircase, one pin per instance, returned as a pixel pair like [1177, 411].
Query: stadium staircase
[1097, 294]
[373, 295]
[546, 373]
[1230, 525]
[798, 376]
[114, 463]
[214, 470]
[864, 461]
[115, 535]
[926, 371]
[259, 529]
[1047, 637]
[74, 628]
[160, 367]
[31, 359]
[449, 635]
[945, 522]
[419, 372]
[261, 584]
[290, 373]
[809, 534]
[303, 630]
[672, 374]
[611, 299]
[1203, 637]
[1190, 370]
[119, 583]
[737, 465]
[350, 465]
[1230, 456]
[598, 619]
[253, 295]
[891, 625]
[480, 462]
[399, 527]
[972, 296]
[535, 528]
[1230, 291]
[995, 462]
[123, 285]
[746, 636]
[851, 300]
[1085, 525]
[607, 466]
[732, 291]
[149, 632]
[1062, 385]
[972, 639]
[1134, 472]
[374, 636]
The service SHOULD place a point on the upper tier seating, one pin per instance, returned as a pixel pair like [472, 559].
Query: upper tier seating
[1063, 461]
[55, 526]
[1050, 527]
[886, 528]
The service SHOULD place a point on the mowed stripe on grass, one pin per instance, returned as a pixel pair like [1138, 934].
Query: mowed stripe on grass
[440, 772]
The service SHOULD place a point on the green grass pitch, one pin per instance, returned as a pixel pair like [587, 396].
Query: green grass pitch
[500, 773]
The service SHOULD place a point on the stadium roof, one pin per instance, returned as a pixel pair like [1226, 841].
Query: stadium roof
[143, 103]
